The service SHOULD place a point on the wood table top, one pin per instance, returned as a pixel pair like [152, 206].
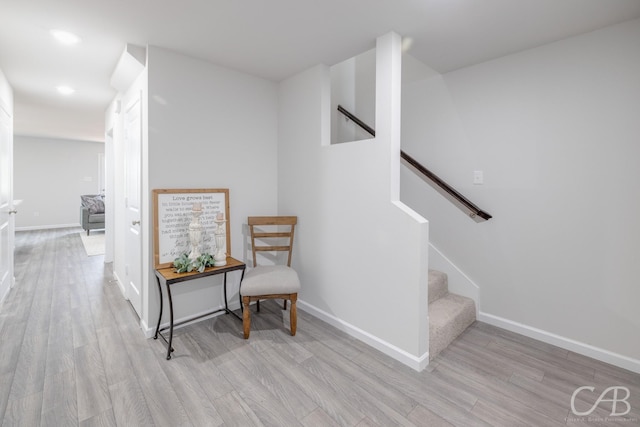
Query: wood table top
[169, 273]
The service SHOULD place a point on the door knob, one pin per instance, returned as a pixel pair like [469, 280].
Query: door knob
[12, 212]
[135, 222]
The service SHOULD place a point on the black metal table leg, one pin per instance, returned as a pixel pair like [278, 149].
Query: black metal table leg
[239, 293]
[169, 348]
[226, 305]
[155, 337]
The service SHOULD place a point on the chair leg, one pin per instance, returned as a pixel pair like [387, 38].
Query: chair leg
[246, 317]
[87, 231]
[293, 317]
[284, 307]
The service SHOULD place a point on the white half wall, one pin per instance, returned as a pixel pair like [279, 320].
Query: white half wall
[555, 131]
[361, 255]
[50, 175]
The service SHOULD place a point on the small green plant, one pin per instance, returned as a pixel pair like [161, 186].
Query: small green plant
[203, 261]
[183, 264]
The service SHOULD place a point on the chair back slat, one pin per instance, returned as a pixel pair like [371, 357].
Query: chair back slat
[272, 248]
[262, 221]
[273, 220]
[274, 234]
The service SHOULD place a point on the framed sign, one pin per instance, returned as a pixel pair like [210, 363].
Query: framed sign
[172, 214]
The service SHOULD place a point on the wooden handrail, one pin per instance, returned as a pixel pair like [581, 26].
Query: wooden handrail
[474, 211]
[357, 121]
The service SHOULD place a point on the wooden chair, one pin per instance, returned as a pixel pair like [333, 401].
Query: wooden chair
[270, 281]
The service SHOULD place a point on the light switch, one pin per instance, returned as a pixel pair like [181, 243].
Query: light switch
[478, 178]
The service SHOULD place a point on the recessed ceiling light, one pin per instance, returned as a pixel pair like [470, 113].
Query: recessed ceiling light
[65, 37]
[65, 90]
[407, 42]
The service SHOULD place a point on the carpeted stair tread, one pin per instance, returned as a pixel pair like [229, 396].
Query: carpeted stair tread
[438, 285]
[449, 316]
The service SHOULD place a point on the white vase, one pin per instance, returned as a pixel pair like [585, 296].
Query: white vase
[220, 257]
[195, 234]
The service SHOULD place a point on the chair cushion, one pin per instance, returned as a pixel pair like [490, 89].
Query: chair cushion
[95, 218]
[270, 279]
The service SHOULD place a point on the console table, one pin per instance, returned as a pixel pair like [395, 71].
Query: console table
[169, 277]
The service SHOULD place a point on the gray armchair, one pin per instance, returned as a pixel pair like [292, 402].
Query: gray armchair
[92, 212]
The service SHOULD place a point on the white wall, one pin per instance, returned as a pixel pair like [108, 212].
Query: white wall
[209, 127]
[6, 94]
[362, 258]
[50, 175]
[555, 130]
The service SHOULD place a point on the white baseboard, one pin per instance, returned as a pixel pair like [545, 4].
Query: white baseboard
[12, 283]
[47, 227]
[119, 283]
[3, 297]
[414, 362]
[563, 342]
[148, 333]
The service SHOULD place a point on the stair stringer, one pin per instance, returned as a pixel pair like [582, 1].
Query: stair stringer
[459, 282]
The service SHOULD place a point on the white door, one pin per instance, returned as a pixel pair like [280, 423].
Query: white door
[6, 203]
[133, 250]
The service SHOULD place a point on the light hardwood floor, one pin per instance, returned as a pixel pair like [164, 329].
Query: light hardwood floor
[71, 354]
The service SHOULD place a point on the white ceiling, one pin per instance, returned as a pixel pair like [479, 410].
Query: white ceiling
[273, 39]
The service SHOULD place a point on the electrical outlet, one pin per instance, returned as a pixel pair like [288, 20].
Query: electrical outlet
[478, 178]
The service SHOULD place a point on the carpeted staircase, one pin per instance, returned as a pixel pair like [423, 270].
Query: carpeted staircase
[449, 314]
